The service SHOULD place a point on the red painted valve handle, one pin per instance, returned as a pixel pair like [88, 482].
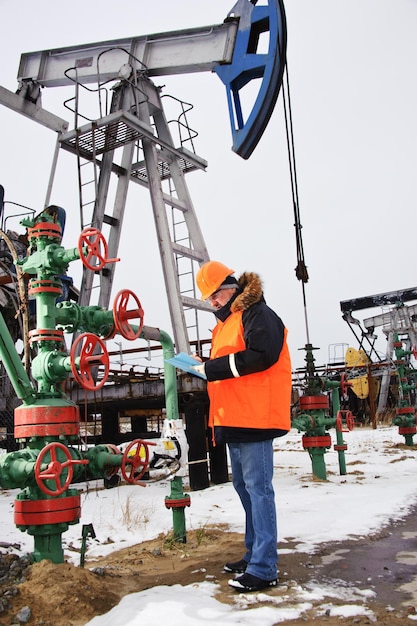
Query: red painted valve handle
[55, 469]
[349, 421]
[122, 316]
[89, 360]
[97, 248]
[138, 463]
[344, 384]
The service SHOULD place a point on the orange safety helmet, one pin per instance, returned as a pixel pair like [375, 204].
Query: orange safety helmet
[210, 276]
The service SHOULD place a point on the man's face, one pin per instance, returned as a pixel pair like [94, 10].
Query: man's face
[219, 298]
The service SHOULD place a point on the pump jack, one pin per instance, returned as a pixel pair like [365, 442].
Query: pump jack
[136, 123]
[47, 421]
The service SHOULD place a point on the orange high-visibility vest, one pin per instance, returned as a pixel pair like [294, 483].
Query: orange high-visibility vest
[259, 400]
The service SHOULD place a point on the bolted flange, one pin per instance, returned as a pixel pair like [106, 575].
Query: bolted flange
[46, 421]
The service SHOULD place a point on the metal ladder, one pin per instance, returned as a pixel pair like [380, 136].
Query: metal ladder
[88, 170]
[137, 125]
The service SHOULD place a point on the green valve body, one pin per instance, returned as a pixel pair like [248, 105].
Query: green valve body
[313, 419]
[47, 422]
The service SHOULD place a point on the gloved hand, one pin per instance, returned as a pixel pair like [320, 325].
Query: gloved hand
[200, 369]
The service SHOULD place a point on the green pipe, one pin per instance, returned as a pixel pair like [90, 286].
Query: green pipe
[14, 366]
[317, 462]
[49, 259]
[48, 542]
[171, 402]
[170, 374]
[17, 469]
[314, 422]
[339, 434]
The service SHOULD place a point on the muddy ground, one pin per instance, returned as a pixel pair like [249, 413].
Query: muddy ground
[385, 564]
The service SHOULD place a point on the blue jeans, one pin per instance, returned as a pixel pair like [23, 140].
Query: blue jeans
[252, 471]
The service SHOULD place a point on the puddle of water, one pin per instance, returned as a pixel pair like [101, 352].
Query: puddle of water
[407, 558]
[334, 556]
[411, 588]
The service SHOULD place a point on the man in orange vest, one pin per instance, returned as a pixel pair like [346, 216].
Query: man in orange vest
[249, 386]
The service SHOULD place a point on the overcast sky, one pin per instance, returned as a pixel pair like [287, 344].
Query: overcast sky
[352, 66]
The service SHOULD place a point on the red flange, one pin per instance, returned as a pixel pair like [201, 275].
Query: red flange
[46, 334]
[45, 229]
[46, 421]
[40, 512]
[177, 503]
[314, 402]
[44, 286]
[407, 430]
[324, 441]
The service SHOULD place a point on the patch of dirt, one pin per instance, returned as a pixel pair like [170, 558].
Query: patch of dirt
[65, 595]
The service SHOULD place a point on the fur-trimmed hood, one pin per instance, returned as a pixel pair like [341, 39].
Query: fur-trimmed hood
[250, 292]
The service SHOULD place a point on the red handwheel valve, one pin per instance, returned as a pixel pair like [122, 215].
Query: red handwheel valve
[95, 243]
[55, 471]
[122, 315]
[136, 456]
[342, 418]
[89, 358]
[344, 384]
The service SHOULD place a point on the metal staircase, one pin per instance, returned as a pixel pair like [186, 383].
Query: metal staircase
[137, 127]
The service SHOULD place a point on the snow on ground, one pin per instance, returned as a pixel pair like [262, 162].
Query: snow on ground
[379, 486]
